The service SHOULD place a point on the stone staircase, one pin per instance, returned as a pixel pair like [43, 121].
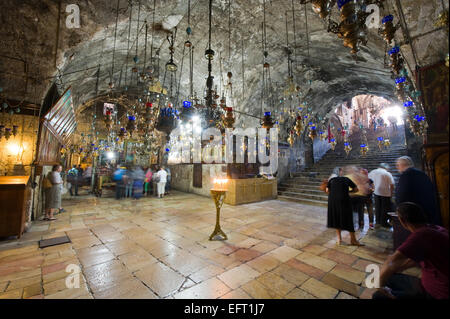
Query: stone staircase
[303, 186]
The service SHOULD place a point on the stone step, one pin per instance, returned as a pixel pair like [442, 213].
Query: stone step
[305, 196]
[303, 201]
[301, 189]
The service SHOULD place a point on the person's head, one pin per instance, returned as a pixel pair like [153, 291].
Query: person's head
[57, 168]
[74, 166]
[411, 215]
[384, 166]
[337, 171]
[403, 163]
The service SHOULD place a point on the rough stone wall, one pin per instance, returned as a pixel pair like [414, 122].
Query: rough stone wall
[182, 177]
[20, 150]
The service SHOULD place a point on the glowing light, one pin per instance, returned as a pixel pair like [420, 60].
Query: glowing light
[110, 155]
[393, 112]
[15, 149]
[220, 183]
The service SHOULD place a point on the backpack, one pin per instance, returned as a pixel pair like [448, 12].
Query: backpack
[46, 183]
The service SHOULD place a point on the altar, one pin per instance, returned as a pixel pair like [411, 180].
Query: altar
[250, 190]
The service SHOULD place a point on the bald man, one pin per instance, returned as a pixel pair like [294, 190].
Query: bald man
[416, 187]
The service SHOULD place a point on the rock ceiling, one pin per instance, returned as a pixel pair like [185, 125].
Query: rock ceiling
[29, 63]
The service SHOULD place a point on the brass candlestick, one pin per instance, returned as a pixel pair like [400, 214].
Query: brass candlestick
[218, 194]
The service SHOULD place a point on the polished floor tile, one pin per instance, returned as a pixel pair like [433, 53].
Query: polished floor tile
[160, 249]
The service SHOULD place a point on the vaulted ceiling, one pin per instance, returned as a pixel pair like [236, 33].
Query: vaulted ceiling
[324, 69]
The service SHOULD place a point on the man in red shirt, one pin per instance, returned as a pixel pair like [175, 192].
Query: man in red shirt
[427, 247]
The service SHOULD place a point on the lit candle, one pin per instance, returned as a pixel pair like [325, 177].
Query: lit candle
[220, 183]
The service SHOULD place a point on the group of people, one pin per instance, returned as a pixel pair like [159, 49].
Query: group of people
[380, 123]
[135, 182]
[350, 189]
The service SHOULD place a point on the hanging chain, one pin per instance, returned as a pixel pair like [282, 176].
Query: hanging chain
[295, 33]
[115, 38]
[307, 32]
[153, 31]
[128, 45]
[229, 31]
[137, 41]
[243, 72]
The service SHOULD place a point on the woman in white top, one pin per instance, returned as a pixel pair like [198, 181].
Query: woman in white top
[53, 199]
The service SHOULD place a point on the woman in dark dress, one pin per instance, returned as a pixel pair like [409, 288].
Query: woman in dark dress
[340, 213]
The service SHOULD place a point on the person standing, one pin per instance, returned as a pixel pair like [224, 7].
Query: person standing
[384, 188]
[340, 214]
[53, 200]
[415, 186]
[427, 247]
[118, 178]
[87, 175]
[359, 198]
[161, 176]
[128, 182]
[138, 182]
[148, 180]
[368, 201]
[169, 180]
[72, 178]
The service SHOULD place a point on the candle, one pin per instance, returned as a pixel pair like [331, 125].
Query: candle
[220, 183]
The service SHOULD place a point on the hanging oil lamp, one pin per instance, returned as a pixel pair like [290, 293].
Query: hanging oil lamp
[291, 138]
[312, 131]
[166, 120]
[131, 125]
[388, 29]
[352, 28]
[347, 146]
[333, 143]
[8, 133]
[322, 135]
[380, 142]
[122, 134]
[267, 121]
[298, 125]
[396, 60]
[108, 120]
[323, 7]
[364, 147]
[228, 119]
[15, 130]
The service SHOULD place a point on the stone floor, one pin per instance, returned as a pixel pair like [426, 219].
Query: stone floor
[159, 248]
